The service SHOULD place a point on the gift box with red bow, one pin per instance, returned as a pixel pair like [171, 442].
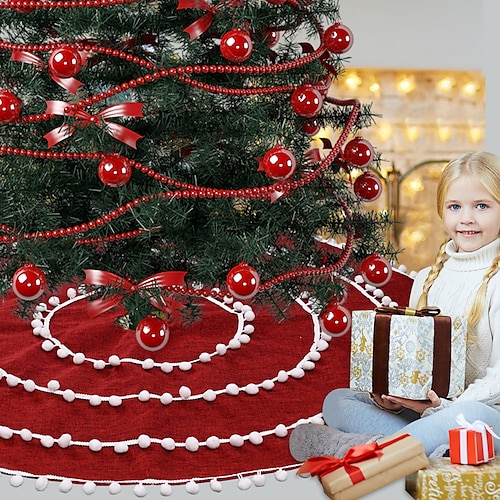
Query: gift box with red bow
[471, 443]
[405, 352]
[368, 467]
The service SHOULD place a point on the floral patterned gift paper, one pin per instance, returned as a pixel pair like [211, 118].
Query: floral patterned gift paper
[444, 480]
[410, 357]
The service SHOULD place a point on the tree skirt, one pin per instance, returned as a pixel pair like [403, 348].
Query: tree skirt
[82, 402]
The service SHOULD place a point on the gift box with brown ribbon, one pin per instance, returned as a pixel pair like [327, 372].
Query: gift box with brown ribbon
[368, 467]
[405, 352]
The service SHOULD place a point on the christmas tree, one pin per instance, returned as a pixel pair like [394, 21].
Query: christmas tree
[161, 151]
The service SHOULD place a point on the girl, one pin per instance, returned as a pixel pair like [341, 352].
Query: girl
[464, 277]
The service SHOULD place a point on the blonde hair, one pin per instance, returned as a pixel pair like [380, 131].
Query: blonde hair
[485, 167]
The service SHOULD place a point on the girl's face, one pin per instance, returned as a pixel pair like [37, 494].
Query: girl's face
[470, 214]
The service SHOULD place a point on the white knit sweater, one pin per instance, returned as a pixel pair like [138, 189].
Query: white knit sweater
[453, 292]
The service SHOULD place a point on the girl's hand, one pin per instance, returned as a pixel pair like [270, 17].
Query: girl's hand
[382, 401]
[419, 406]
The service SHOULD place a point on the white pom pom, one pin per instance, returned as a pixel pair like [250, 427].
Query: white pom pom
[144, 441]
[41, 483]
[268, 385]
[192, 487]
[185, 366]
[79, 358]
[140, 490]
[228, 299]
[47, 345]
[71, 293]
[251, 389]
[244, 483]
[114, 488]
[47, 441]
[148, 364]
[281, 430]
[297, 373]
[144, 396]
[378, 293]
[244, 339]
[54, 301]
[12, 380]
[168, 444]
[6, 432]
[249, 316]
[64, 440]
[213, 442]
[115, 401]
[358, 278]
[205, 357]
[62, 353]
[369, 288]
[281, 475]
[95, 400]
[114, 360]
[236, 440]
[185, 392]
[216, 485]
[385, 300]
[314, 355]
[166, 490]
[69, 395]
[89, 488]
[121, 447]
[166, 398]
[29, 385]
[99, 364]
[282, 376]
[308, 366]
[221, 349]
[232, 389]
[65, 486]
[393, 304]
[41, 307]
[16, 480]
[234, 344]
[248, 329]
[322, 345]
[26, 435]
[255, 438]
[259, 479]
[246, 308]
[36, 323]
[238, 306]
[209, 395]
[166, 367]
[192, 444]
[95, 445]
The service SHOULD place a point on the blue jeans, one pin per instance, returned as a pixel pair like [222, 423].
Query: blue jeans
[355, 412]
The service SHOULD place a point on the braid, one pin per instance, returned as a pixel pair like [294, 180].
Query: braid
[477, 307]
[441, 258]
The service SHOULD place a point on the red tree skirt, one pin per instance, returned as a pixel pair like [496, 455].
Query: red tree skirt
[58, 409]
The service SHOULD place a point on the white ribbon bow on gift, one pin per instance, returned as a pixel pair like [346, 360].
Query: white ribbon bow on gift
[477, 425]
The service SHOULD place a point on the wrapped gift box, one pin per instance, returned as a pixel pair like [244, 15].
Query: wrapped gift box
[444, 480]
[367, 468]
[472, 443]
[394, 353]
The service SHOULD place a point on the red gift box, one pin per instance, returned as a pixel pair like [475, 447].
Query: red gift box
[471, 444]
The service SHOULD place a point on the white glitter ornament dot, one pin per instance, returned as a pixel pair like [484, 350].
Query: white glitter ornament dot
[121, 447]
[47, 441]
[232, 389]
[69, 395]
[166, 490]
[216, 485]
[114, 360]
[26, 435]
[114, 488]
[192, 487]
[252, 389]
[185, 392]
[148, 364]
[255, 438]
[95, 400]
[281, 430]
[236, 440]
[41, 483]
[144, 396]
[64, 440]
[209, 395]
[16, 480]
[47, 345]
[221, 349]
[65, 486]
[192, 444]
[244, 483]
[205, 357]
[95, 445]
[144, 441]
[99, 364]
[79, 358]
[168, 444]
[166, 367]
[89, 488]
[185, 366]
[115, 401]
[213, 442]
[281, 475]
[166, 398]
[140, 490]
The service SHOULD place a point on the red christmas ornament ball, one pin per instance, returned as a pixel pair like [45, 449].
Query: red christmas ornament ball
[338, 38]
[65, 62]
[114, 171]
[243, 281]
[271, 37]
[279, 163]
[358, 152]
[311, 126]
[152, 333]
[28, 282]
[236, 45]
[10, 107]
[376, 270]
[335, 320]
[367, 187]
[307, 101]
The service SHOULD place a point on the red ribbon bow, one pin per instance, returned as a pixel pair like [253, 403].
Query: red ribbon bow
[321, 466]
[115, 130]
[201, 25]
[70, 84]
[105, 278]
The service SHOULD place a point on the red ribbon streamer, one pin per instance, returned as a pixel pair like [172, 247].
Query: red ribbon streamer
[201, 25]
[321, 466]
[105, 278]
[70, 84]
[115, 130]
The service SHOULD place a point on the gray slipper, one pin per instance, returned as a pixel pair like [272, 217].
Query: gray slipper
[314, 440]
